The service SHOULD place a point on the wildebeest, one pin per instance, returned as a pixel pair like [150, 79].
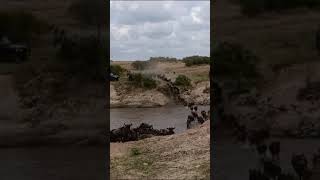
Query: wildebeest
[121, 134]
[262, 149]
[271, 169]
[125, 133]
[168, 131]
[200, 120]
[144, 129]
[300, 164]
[204, 115]
[190, 119]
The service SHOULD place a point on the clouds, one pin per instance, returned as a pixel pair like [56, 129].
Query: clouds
[141, 29]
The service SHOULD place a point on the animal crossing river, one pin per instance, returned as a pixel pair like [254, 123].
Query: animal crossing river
[162, 117]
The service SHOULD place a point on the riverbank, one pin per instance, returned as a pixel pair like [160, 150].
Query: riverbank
[179, 156]
[124, 95]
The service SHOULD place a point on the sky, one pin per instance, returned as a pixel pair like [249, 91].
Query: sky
[143, 29]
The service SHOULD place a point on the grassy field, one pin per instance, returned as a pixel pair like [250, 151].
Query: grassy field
[197, 73]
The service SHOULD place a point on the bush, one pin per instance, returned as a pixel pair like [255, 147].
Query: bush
[143, 81]
[21, 26]
[135, 152]
[163, 59]
[149, 83]
[182, 80]
[140, 65]
[196, 60]
[117, 69]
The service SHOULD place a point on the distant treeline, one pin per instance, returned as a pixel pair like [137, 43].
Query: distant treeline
[169, 59]
[189, 61]
[254, 7]
[196, 60]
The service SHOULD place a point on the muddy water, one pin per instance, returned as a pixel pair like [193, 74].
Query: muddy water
[162, 117]
[232, 161]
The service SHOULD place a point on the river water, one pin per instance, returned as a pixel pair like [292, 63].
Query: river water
[161, 117]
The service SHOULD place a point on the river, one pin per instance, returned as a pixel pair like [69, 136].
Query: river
[161, 117]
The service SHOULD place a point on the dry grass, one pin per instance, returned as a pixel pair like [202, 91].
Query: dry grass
[181, 156]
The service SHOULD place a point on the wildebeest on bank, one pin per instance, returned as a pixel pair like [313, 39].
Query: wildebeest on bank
[125, 133]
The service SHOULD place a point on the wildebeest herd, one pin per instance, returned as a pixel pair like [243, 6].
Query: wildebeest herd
[126, 133]
[270, 168]
[204, 116]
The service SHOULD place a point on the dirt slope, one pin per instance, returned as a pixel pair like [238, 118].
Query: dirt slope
[180, 156]
[123, 95]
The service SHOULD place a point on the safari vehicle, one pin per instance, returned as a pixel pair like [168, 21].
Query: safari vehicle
[14, 53]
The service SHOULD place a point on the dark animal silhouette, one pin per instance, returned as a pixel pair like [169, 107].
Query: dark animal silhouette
[190, 105]
[121, 134]
[144, 129]
[170, 131]
[274, 149]
[300, 164]
[204, 115]
[125, 133]
[262, 149]
[195, 108]
[200, 120]
[271, 169]
[164, 132]
[189, 121]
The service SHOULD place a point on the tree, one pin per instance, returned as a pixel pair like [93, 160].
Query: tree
[91, 13]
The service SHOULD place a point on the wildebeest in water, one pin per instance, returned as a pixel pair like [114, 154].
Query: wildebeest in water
[144, 130]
